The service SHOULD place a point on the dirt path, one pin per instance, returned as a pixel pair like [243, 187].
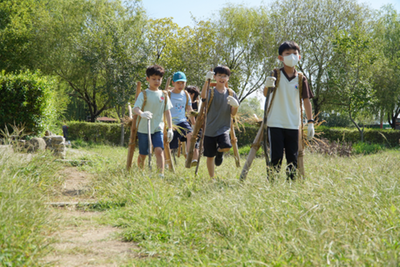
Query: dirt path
[81, 240]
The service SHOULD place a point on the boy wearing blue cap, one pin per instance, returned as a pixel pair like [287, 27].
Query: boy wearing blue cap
[181, 104]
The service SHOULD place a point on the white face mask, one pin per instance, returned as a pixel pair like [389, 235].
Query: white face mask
[291, 60]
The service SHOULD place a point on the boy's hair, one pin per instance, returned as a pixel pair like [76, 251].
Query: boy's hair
[155, 70]
[288, 45]
[222, 70]
[191, 89]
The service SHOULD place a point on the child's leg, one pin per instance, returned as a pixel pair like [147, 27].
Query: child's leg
[143, 149]
[157, 141]
[276, 145]
[210, 150]
[210, 166]
[291, 144]
[158, 151]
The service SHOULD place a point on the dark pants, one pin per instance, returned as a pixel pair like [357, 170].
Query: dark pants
[283, 140]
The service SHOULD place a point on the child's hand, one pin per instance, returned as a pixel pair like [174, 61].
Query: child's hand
[146, 115]
[170, 135]
[232, 101]
[310, 131]
[270, 81]
[210, 75]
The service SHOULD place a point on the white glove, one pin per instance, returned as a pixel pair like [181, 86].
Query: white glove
[310, 131]
[210, 75]
[170, 135]
[270, 81]
[146, 115]
[232, 101]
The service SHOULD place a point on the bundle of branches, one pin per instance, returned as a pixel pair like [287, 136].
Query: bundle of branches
[326, 147]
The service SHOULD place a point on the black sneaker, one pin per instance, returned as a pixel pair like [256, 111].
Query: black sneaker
[219, 158]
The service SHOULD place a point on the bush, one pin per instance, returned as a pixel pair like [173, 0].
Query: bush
[365, 148]
[98, 132]
[373, 136]
[246, 134]
[27, 99]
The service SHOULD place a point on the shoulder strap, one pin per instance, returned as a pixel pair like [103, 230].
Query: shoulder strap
[278, 77]
[166, 94]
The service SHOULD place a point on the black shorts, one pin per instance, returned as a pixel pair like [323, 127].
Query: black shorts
[211, 144]
[180, 134]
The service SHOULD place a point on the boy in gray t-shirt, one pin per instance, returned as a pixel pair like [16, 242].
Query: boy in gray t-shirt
[216, 136]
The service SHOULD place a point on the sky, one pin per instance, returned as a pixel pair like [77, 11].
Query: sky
[182, 11]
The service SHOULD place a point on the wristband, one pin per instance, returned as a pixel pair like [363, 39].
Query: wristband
[310, 121]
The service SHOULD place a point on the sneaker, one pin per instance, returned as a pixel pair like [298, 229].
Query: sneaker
[194, 163]
[219, 158]
[161, 175]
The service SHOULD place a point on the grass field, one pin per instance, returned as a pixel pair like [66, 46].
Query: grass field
[345, 213]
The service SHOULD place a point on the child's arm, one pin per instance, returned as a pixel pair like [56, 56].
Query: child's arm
[168, 118]
[308, 108]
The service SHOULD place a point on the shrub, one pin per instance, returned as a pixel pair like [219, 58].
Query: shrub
[105, 133]
[351, 135]
[365, 148]
[27, 99]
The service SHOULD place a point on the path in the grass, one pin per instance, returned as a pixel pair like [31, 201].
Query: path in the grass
[80, 239]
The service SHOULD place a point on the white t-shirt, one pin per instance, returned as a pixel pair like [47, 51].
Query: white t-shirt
[285, 109]
[156, 104]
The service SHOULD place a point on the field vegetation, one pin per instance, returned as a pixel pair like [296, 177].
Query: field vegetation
[345, 212]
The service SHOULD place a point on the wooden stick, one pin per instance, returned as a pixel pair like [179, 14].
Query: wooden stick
[203, 133]
[300, 157]
[167, 150]
[150, 143]
[133, 135]
[196, 129]
[234, 144]
[179, 148]
[252, 154]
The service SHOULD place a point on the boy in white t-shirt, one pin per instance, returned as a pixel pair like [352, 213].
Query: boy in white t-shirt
[181, 105]
[284, 118]
[157, 104]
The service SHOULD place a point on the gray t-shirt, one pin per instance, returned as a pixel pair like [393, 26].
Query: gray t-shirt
[219, 114]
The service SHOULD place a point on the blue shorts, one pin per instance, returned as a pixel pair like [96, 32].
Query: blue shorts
[183, 129]
[156, 141]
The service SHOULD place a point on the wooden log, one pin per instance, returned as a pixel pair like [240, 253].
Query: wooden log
[252, 154]
[234, 144]
[133, 135]
[167, 150]
[196, 129]
[300, 157]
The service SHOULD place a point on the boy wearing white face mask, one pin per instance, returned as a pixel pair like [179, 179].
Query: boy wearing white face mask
[284, 112]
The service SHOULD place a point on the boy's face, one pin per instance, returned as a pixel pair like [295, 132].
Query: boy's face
[289, 52]
[179, 85]
[221, 78]
[154, 81]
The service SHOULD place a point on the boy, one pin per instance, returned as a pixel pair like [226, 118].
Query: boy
[157, 104]
[222, 107]
[284, 115]
[181, 104]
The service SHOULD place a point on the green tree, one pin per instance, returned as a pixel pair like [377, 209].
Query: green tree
[96, 47]
[387, 75]
[313, 25]
[351, 73]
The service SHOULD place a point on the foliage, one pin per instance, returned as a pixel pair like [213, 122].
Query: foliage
[335, 119]
[25, 222]
[365, 148]
[96, 47]
[189, 220]
[350, 135]
[250, 107]
[28, 98]
[100, 133]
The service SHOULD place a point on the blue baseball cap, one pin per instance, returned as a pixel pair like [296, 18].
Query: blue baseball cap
[179, 77]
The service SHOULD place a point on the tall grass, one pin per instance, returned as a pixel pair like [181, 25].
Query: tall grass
[24, 221]
[346, 212]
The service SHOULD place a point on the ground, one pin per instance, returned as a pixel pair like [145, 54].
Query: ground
[81, 240]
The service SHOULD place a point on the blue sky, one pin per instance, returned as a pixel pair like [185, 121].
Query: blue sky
[182, 10]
